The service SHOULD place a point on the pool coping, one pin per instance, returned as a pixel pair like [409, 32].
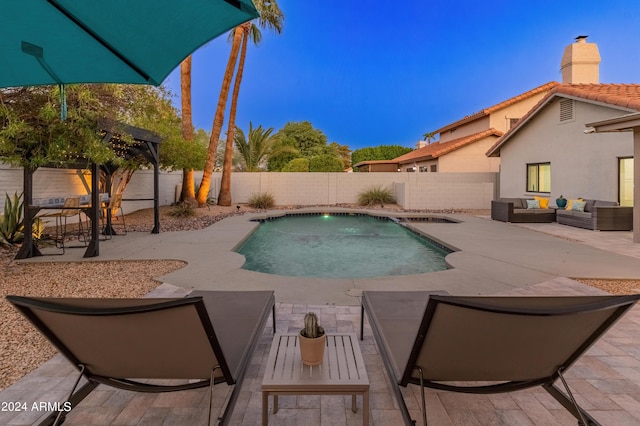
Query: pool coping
[493, 257]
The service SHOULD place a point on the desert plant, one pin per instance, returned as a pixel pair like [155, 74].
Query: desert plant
[261, 200]
[11, 224]
[311, 328]
[375, 195]
[182, 209]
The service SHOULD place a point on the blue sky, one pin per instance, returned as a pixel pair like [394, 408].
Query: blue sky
[385, 72]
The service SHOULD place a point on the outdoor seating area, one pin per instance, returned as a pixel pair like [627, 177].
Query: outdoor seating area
[596, 215]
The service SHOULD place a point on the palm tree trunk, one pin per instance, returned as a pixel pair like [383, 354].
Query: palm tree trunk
[218, 121]
[224, 198]
[188, 184]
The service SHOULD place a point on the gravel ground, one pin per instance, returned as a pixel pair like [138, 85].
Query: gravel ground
[22, 348]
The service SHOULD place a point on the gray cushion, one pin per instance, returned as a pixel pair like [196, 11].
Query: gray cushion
[517, 202]
[599, 203]
[589, 206]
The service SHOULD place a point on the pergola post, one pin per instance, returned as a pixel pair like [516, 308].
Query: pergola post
[626, 123]
[636, 185]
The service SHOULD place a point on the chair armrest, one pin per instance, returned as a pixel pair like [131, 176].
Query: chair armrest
[613, 218]
[502, 211]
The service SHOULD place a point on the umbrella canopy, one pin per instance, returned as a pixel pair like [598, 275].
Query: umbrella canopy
[108, 41]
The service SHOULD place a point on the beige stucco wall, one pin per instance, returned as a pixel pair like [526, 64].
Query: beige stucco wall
[466, 129]
[470, 158]
[499, 120]
[582, 165]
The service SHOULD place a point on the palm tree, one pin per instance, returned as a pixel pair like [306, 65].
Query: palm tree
[188, 184]
[270, 17]
[218, 121]
[259, 145]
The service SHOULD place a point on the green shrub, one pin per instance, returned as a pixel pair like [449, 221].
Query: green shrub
[297, 165]
[261, 201]
[325, 163]
[182, 209]
[11, 223]
[375, 195]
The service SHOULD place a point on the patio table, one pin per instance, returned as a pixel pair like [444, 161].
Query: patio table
[342, 372]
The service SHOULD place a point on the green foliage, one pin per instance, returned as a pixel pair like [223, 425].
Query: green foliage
[261, 200]
[375, 195]
[341, 151]
[297, 165]
[325, 163]
[182, 209]
[382, 152]
[301, 136]
[33, 135]
[258, 147]
[11, 223]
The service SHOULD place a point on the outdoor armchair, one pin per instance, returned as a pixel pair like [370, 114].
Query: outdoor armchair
[201, 340]
[487, 344]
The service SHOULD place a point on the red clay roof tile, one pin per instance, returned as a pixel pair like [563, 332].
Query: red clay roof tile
[437, 149]
[499, 106]
[622, 95]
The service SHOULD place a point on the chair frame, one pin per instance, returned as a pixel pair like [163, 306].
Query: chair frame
[621, 303]
[27, 306]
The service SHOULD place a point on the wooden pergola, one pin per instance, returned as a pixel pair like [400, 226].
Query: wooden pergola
[145, 145]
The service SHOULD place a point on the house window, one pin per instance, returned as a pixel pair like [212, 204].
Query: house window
[625, 181]
[423, 169]
[539, 177]
[434, 168]
[513, 121]
[566, 110]
[411, 169]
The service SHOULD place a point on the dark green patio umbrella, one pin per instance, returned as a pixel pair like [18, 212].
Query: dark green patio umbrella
[107, 41]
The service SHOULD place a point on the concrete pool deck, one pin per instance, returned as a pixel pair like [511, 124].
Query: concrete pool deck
[495, 258]
[492, 257]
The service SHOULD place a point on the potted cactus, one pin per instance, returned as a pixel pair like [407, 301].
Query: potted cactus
[312, 341]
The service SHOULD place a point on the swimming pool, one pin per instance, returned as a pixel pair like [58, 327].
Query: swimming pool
[339, 246]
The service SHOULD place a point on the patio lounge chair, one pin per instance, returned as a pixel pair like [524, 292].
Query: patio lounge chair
[202, 340]
[502, 344]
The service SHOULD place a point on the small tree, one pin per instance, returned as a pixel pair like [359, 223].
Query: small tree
[325, 163]
[297, 165]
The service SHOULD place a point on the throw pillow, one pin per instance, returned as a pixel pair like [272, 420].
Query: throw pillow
[544, 202]
[570, 203]
[533, 204]
[578, 206]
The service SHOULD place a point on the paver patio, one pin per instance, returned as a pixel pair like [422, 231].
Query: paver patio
[606, 381]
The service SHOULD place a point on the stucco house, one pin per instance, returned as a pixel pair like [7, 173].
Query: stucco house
[462, 145]
[548, 153]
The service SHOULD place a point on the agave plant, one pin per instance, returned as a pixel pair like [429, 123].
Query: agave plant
[11, 223]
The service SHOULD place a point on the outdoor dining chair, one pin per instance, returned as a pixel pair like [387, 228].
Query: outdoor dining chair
[70, 208]
[486, 345]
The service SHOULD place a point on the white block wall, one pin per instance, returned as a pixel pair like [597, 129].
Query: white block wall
[430, 191]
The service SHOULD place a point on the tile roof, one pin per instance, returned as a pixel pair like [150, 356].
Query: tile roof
[437, 149]
[621, 95]
[499, 106]
[362, 163]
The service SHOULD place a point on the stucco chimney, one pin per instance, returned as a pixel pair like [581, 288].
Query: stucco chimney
[581, 62]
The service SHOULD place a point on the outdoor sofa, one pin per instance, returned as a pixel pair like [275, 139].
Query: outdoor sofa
[485, 345]
[515, 210]
[598, 216]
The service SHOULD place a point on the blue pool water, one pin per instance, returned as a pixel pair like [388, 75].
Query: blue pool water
[339, 246]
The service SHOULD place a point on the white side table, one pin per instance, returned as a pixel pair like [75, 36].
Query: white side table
[341, 373]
